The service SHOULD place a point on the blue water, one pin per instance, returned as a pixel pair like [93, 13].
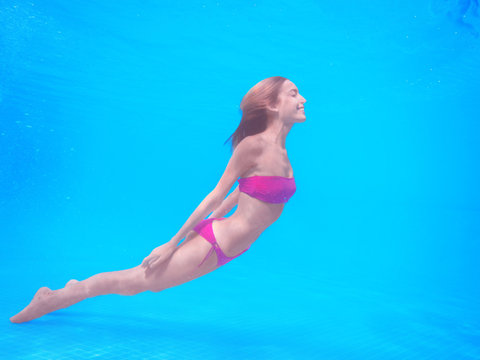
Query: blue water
[113, 117]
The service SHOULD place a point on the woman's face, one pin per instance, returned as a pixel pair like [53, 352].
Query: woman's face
[290, 103]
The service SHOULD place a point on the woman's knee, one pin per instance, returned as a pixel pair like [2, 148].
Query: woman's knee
[143, 281]
[132, 281]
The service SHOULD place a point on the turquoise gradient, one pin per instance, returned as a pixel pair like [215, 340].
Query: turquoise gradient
[113, 118]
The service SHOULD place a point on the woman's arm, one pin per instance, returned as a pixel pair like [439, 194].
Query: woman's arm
[163, 252]
[226, 205]
[242, 160]
[208, 204]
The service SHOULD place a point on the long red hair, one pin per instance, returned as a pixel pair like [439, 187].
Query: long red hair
[254, 108]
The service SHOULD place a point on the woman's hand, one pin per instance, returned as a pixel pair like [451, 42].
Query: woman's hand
[159, 255]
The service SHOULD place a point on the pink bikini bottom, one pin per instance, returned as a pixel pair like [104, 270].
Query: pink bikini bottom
[204, 229]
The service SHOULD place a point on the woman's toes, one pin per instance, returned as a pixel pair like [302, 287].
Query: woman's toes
[16, 319]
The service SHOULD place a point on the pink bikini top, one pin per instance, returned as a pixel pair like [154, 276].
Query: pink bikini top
[271, 189]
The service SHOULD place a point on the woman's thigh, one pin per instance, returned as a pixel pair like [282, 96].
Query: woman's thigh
[183, 265]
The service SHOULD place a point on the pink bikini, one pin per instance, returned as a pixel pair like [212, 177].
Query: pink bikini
[271, 189]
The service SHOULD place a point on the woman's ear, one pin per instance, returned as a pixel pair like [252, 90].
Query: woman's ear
[272, 108]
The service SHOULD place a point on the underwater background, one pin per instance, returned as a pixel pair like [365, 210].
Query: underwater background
[113, 118]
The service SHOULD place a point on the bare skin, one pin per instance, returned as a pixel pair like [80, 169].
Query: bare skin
[250, 219]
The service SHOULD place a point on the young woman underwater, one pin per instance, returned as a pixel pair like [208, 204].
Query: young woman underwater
[260, 165]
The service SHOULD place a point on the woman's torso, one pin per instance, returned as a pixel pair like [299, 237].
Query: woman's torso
[252, 216]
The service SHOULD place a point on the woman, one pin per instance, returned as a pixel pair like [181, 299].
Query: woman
[266, 183]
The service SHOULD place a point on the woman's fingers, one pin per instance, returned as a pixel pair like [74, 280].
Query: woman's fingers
[158, 260]
[148, 261]
[155, 262]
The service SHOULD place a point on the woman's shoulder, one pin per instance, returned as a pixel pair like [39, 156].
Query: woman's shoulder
[252, 143]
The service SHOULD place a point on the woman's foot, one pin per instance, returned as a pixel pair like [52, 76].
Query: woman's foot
[36, 308]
